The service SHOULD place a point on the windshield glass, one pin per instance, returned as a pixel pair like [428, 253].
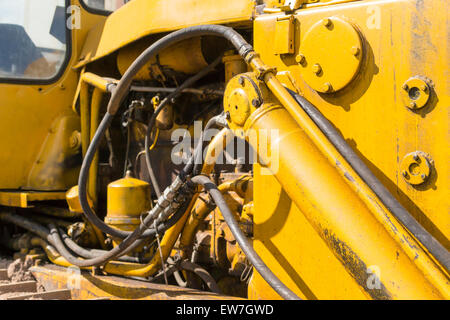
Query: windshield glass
[105, 5]
[32, 38]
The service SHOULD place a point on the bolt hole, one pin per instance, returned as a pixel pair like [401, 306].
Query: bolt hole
[236, 107]
[414, 169]
[414, 93]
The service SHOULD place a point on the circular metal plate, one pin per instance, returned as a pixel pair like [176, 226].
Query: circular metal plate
[241, 98]
[331, 54]
[415, 93]
[415, 168]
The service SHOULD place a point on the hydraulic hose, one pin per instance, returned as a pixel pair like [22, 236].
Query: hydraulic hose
[121, 90]
[120, 249]
[392, 204]
[245, 245]
[82, 252]
[46, 235]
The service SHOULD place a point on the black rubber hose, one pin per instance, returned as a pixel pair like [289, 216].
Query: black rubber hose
[202, 273]
[189, 82]
[53, 237]
[240, 237]
[117, 251]
[82, 252]
[241, 45]
[82, 186]
[121, 90]
[392, 204]
[90, 253]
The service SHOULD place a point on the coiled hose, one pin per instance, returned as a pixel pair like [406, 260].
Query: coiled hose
[240, 237]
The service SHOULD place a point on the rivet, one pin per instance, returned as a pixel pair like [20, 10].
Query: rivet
[326, 87]
[300, 58]
[316, 68]
[326, 22]
[355, 50]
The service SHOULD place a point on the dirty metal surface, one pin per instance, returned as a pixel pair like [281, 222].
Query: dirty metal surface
[86, 286]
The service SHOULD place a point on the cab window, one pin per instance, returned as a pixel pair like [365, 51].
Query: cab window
[33, 42]
[105, 5]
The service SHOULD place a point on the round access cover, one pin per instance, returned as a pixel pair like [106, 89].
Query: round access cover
[331, 52]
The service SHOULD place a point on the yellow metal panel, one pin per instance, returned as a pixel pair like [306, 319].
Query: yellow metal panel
[308, 267]
[284, 35]
[22, 199]
[157, 16]
[402, 39]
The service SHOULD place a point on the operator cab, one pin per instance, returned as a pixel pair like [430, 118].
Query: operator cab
[32, 38]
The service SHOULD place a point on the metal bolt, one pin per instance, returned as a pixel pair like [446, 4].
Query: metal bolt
[424, 88]
[405, 174]
[423, 176]
[326, 22]
[326, 87]
[416, 157]
[405, 87]
[300, 58]
[241, 81]
[255, 102]
[412, 105]
[316, 68]
[356, 50]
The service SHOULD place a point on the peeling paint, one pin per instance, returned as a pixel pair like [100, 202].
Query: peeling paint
[354, 265]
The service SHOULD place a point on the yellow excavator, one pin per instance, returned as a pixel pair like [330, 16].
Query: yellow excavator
[258, 149]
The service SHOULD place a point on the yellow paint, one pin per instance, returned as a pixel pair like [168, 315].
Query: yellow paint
[23, 199]
[166, 15]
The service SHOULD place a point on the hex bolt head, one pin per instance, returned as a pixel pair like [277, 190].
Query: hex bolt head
[416, 157]
[405, 174]
[424, 88]
[412, 105]
[356, 50]
[241, 81]
[405, 87]
[326, 22]
[300, 58]
[423, 176]
[326, 87]
[316, 68]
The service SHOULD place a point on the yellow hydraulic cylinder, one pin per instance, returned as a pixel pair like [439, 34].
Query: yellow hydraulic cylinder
[337, 213]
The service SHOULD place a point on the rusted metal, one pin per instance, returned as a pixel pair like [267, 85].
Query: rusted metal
[89, 286]
[3, 274]
[64, 294]
[26, 286]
